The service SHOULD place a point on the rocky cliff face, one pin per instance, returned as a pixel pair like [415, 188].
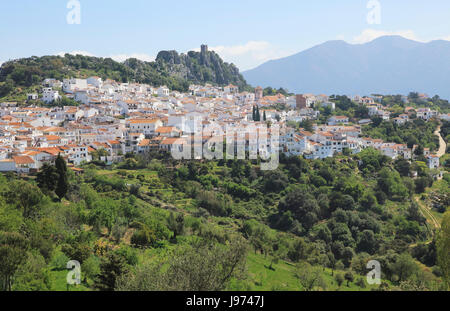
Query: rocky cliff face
[200, 67]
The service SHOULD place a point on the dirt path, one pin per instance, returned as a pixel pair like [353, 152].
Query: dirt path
[442, 144]
[428, 215]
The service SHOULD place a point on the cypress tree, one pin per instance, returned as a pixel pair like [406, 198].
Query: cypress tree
[62, 185]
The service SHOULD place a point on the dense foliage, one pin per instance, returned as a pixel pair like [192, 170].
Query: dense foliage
[165, 225]
[417, 132]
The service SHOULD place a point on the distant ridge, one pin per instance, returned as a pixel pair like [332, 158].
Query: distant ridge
[387, 65]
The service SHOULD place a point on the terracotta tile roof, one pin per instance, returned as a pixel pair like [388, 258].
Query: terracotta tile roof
[22, 160]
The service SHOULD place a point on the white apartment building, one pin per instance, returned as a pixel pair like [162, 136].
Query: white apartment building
[70, 85]
[49, 95]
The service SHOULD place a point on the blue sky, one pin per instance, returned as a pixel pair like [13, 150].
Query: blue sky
[246, 32]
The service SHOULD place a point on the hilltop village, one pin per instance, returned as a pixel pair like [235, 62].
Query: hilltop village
[111, 119]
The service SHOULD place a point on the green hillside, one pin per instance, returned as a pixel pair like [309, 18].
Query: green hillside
[160, 224]
[170, 69]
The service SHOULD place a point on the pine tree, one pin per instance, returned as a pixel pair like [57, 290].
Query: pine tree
[254, 114]
[264, 116]
[62, 185]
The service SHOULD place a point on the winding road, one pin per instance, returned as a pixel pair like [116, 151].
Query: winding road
[426, 211]
[442, 144]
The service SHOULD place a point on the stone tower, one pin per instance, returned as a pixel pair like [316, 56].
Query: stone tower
[259, 93]
[204, 54]
[204, 49]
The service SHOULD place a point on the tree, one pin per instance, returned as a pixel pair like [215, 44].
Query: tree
[403, 167]
[421, 184]
[331, 262]
[347, 256]
[443, 249]
[111, 268]
[367, 242]
[309, 277]
[47, 178]
[302, 204]
[349, 277]
[275, 181]
[391, 183]
[419, 151]
[264, 116]
[339, 279]
[202, 266]
[32, 274]
[339, 265]
[13, 252]
[90, 268]
[299, 250]
[25, 196]
[257, 114]
[368, 201]
[176, 224]
[98, 154]
[6, 87]
[63, 183]
[404, 267]
[307, 125]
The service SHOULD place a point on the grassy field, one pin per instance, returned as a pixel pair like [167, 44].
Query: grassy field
[59, 283]
[282, 277]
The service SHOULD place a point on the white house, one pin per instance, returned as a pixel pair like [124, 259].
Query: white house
[32, 96]
[163, 91]
[335, 120]
[231, 89]
[49, 95]
[433, 161]
[70, 85]
[426, 113]
[95, 81]
[78, 154]
[146, 126]
[7, 165]
[445, 117]
[82, 97]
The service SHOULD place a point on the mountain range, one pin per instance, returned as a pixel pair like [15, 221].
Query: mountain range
[387, 65]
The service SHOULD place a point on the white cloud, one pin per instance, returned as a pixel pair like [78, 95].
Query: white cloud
[368, 35]
[447, 38]
[124, 57]
[84, 53]
[250, 54]
[116, 57]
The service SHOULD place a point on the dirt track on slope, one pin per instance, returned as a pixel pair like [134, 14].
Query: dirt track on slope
[442, 144]
[427, 213]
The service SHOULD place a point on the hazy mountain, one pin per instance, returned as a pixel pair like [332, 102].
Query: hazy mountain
[387, 65]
